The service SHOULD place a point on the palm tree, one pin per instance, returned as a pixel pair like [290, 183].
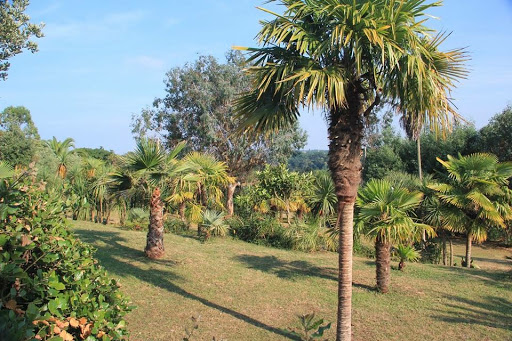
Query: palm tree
[213, 224]
[384, 213]
[343, 57]
[147, 168]
[477, 185]
[406, 253]
[210, 175]
[62, 152]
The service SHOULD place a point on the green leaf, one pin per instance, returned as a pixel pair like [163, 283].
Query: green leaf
[57, 285]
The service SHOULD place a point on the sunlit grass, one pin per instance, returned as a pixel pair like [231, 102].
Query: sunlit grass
[248, 292]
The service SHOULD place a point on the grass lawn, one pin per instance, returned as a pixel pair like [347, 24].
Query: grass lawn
[248, 292]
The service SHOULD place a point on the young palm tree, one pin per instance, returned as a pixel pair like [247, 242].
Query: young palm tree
[213, 224]
[62, 152]
[148, 167]
[406, 253]
[477, 185]
[384, 213]
[343, 57]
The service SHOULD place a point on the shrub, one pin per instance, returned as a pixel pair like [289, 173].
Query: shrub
[138, 219]
[260, 229]
[50, 285]
[174, 225]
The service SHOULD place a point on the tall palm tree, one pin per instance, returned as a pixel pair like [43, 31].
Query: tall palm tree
[62, 152]
[385, 214]
[147, 168]
[477, 185]
[343, 57]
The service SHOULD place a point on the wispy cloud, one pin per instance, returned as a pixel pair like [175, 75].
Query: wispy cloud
[105, 26]
[146, 62]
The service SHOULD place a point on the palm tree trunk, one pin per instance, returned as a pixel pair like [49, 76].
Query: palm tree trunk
[155, 239]
[231, 193]
[181, 210]
[468, 249]
[383, 264]
[445, 254]
[345, 134]
[451, 252]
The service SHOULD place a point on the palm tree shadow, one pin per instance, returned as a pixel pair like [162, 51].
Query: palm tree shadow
[285, 269]
[494, 312]
[118, 259]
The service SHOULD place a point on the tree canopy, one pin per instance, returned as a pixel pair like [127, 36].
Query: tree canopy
[18, 134]
[198, 108]
[16, 32]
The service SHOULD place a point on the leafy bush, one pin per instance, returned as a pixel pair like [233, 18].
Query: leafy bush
[431, 252]
[260, 229]
[174, 225]
[51, 287]
[138, 219]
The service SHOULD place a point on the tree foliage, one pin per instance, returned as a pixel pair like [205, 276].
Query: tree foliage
[18, 136]
[497, 135]
[16, 32]
[198, 108]
[50, 284]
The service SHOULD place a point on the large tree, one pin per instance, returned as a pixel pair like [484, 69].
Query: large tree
[15, 32]
[497, 135]
[198, 108]
[343, 57]
[18, 136]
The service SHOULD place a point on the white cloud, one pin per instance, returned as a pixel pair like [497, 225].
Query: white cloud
[105, 26]
[146, 62]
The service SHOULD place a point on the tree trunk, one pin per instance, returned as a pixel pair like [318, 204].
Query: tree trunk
[401, 265]
[383, 263]
[468, 249]
[231, 193]
[445, 254]
[420, 174]
[155, 239]
[345, 134]
[181, 210]
[451, 252]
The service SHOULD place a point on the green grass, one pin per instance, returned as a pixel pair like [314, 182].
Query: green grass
[248, 292]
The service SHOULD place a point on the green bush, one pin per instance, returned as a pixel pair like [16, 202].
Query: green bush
[260, 229]
[51, 287]
[174, 225]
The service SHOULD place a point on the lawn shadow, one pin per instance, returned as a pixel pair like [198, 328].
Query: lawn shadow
[490, 277]
[110, 252]
[285, 269]
[494, 312]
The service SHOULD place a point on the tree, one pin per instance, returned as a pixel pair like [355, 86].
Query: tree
[477, 186]
[18, 136]
[497, 135]
[62, 152]
[16, 32]
[147, 168]
[198, 108]
[344, 57]
[384, 212]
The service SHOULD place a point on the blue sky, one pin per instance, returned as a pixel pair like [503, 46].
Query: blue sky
[100, 62]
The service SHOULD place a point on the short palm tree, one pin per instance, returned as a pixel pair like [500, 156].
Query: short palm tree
[477, 186]
[406, 253]
[343, 57]
[62, 152]
[213, 224]
[149, 167]
[323, 198]
[384, 213]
